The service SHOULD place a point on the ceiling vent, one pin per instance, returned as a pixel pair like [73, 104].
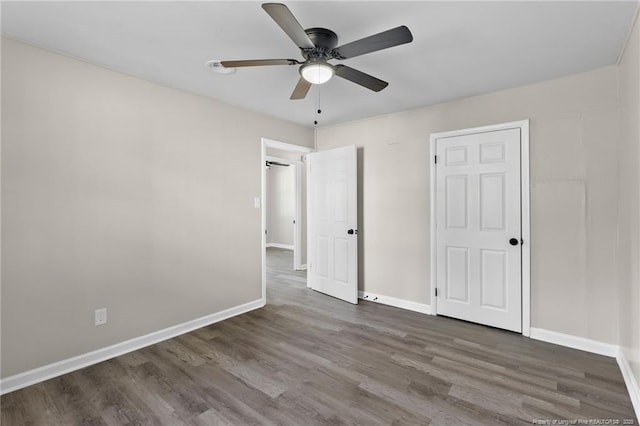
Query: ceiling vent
[217, 67]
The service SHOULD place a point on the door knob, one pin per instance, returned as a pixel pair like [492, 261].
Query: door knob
[513, 242]
[352, 231]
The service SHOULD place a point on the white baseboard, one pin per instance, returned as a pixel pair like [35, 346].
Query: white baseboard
[278, 245]
[630, 381]
[303, 267]
[40, 374]
[394, 301]
[582, 343]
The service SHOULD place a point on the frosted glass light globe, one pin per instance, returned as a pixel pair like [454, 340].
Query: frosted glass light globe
[317, 72]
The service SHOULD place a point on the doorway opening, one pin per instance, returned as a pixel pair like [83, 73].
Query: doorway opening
[284, 222]
[283, 212]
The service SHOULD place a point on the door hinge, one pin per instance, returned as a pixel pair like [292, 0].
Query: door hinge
[265, 232]
[436, 291]
[435, 159]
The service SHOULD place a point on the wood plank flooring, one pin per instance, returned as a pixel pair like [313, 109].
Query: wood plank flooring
[309, 359]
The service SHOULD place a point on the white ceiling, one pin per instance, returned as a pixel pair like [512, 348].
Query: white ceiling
[460, 49]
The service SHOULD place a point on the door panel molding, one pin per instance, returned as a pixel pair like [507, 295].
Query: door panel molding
[489, 153]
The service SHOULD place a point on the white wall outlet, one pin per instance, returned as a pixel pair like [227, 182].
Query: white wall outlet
[256, 202]
[101, 316]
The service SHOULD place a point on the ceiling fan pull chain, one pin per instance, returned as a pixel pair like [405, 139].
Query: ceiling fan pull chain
[318, 110]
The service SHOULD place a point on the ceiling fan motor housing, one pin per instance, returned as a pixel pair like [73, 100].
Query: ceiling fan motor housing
[325, 41]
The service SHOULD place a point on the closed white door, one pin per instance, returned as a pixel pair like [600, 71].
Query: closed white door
[332, 223]
[478, 222]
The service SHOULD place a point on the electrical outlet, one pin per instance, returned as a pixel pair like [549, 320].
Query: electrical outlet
[101, 316]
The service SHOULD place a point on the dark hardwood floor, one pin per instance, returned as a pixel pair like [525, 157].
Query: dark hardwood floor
[309, 359]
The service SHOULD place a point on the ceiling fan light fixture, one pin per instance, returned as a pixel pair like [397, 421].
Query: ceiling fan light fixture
[316, 72]
[317, 46]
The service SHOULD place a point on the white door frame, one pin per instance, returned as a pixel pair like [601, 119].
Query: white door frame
[282, 146]
[523, 125]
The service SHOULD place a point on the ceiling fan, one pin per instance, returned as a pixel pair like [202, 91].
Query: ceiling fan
[318, 46]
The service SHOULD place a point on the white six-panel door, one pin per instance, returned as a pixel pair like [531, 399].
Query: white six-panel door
[332, 218]
[478, 227]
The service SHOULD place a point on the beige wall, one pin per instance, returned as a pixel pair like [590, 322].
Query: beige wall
[112, 197]
[574, 133]
[629, 203]
[122, 194]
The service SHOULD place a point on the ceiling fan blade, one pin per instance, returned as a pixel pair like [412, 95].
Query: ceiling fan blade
[301, 90]
[384, 40]
[258, 63]
[289, 24]
[359, 77]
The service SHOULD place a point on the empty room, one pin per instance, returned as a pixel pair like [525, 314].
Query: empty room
[320, 212]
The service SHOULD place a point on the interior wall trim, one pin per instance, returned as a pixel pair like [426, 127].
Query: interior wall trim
[281, 246]
[630, 381]
[394, 301]
[46, 372]
[575, 342]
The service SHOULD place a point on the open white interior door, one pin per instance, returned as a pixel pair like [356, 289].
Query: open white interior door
[332, 223]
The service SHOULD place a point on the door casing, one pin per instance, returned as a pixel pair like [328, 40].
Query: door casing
[523, 125]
